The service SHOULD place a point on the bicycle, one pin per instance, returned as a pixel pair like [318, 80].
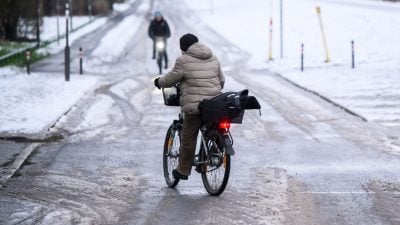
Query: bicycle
[213, 159]
[160, 51]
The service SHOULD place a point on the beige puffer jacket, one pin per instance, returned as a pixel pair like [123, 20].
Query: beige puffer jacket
[199, 74]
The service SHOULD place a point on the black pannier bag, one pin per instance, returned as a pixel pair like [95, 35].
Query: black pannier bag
[229, 105]
[171, 96]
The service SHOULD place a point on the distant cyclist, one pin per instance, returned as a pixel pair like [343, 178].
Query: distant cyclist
[159, 28]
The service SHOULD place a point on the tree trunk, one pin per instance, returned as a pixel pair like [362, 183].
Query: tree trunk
[10, 29]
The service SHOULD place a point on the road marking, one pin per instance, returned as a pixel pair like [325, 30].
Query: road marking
[9, 171]
[346, 192]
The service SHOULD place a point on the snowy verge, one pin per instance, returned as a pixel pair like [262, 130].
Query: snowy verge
[57, 47]
[30, 105]
[371, 90]
[49, 28]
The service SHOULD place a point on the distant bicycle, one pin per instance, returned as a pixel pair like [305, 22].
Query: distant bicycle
[160, 52]
[213, 159]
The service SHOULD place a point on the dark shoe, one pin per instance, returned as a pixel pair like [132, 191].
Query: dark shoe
[178, 176]
[199, 168]
[153, 57]
[166, 67]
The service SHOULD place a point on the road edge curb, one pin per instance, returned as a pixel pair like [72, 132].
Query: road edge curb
[347, 110]
[18, 162]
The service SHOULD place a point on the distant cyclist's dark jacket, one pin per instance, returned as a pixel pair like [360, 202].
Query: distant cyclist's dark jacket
[159, 29]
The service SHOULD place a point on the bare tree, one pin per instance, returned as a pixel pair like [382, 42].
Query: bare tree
[18, 20]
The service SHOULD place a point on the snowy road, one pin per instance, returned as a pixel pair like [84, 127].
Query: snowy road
[304, 161]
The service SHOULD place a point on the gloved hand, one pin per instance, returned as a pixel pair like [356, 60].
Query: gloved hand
[156, 83]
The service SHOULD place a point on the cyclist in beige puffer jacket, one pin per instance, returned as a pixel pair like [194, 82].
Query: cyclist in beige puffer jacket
[199, 73]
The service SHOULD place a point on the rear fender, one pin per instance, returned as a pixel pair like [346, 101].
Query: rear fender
[228, 144]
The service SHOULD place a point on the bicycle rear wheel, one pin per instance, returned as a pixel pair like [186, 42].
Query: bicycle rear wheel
[171, 155]
[215, 173]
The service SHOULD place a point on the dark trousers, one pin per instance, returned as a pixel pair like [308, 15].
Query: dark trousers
[165, 52]
[190, 130]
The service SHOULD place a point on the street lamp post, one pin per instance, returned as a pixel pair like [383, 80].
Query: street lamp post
[67, 63]
[71, 13]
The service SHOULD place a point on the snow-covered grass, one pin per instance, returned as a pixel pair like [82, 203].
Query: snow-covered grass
[9, 71]
[29, 105]
[247, 25]
[371, 24]
[371, 90]
[56, 47]
[49, 28]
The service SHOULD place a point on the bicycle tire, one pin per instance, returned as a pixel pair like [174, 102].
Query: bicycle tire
[159, 61]
[172, 140]
[208, 170]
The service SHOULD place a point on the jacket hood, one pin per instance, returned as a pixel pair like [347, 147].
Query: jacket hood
[199, 51]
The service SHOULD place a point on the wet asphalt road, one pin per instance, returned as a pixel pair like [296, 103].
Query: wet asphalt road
[303, 161]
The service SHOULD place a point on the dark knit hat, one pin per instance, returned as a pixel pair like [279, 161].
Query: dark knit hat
[187, 40]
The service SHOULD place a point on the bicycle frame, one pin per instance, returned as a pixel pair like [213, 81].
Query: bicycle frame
[227, 138]
[212, 160]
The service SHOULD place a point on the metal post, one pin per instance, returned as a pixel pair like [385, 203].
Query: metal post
[302, 57]
[270, 31]
[323, 35]
[281, 29]
[270, 40]
[352, 55]
[37, 23]
[80, 60]
[67, 65]
[28, 62]
[58, 22]
[71, 11]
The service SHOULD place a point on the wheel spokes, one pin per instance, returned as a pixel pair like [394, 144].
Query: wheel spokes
[215, 174]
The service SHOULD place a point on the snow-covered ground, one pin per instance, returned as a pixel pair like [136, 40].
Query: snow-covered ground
[29, 105]
[56, 47]
[49, 27]
[371, 89]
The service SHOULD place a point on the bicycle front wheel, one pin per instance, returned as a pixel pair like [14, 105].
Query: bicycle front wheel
[215, 172]
[171, 155]
[159, 62]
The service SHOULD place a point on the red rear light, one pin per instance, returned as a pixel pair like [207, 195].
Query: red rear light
[225, 124]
